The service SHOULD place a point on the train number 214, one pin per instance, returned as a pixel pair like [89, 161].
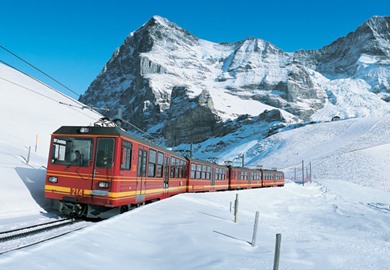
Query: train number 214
[76, 192]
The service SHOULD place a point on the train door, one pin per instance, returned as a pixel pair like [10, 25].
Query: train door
[141, 174]
[213, 169]
[166, 173]
[103, 167]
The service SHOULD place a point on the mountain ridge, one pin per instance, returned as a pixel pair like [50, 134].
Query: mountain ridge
[163, 79]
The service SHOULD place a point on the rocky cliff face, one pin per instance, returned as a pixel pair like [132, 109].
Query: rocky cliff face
[174, 84]
[364, 54]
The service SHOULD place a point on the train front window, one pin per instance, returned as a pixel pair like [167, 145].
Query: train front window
[70, 151]
[105, 153]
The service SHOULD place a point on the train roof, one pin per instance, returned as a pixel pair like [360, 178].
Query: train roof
[254, 169]
[107, 131]
[204, 161]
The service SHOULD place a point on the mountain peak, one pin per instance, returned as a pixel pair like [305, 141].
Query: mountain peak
[380, 26]
[161, 20]
[161, 28]
[378, 20]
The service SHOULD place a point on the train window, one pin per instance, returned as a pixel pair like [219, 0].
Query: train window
[198, 171]
[104, 153]
[178, 168]
[193, 171]
[152, 163]
[160, 162]
[221, 174]
[203, 172]
[173, 165]
[64, 150]
[208, 173]
[142, 156]
[126, 156]
[183, 173]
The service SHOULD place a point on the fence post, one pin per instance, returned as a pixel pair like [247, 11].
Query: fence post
[236, 209]
[277, 251]
[255, 229]
[28, 155]
[36, 142]
[230, 207]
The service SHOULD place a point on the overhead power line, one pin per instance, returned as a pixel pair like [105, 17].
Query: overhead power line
[62, 103]
[38, 69]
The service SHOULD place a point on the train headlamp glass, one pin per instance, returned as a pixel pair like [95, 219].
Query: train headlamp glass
[53, 179]
[103, 184]
[84, 130]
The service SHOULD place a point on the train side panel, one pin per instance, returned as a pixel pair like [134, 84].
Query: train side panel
[205, 176]
[272, 178]
[244, 178]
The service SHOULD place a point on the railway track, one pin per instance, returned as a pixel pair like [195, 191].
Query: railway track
[32, 235]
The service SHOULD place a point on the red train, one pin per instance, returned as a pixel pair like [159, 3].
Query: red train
[99, 170]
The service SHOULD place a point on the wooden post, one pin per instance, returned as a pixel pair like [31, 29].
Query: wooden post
[36, 142]
[236, 209]
[28, 155]
[277, 251]
[230, 207]
[255, 229]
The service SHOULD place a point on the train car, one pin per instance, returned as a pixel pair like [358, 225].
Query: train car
[92, 170]
[206, 176]
[272, 178]
[244, 178]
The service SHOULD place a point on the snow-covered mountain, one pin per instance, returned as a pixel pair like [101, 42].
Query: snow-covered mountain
[167, 81]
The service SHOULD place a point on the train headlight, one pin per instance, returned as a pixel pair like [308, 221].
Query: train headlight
[84, 130]
[103, 184]
[53, 179]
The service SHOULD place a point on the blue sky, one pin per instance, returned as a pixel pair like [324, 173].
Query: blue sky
[72, 40]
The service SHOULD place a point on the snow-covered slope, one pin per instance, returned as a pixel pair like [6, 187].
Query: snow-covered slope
[30, 112]
[355, 150]
[338, 222]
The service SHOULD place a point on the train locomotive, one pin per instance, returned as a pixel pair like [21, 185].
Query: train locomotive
[101, 170]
